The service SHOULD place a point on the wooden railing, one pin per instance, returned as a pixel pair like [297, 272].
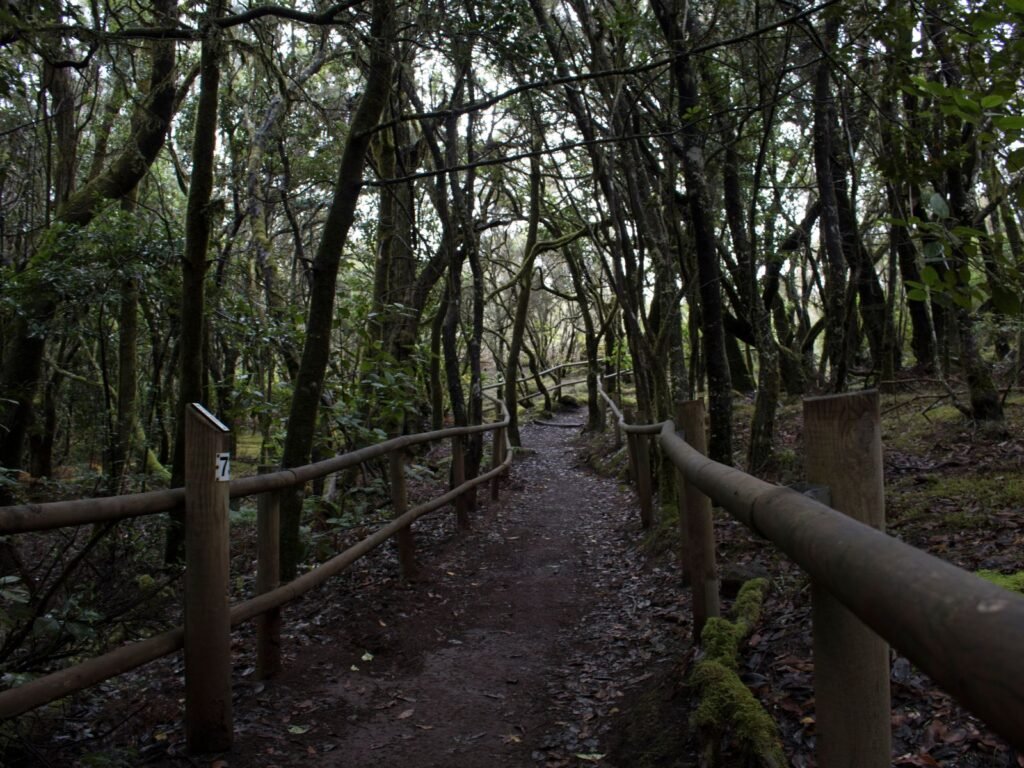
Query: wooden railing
[208, 617]
[554, 372]
[868, 588]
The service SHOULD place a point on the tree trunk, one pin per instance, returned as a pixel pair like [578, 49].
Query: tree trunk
[831, 230]
[436, 388]
[960, 172]
[525, 284]
[719, 379]
[573, 261]
[198, 225]
[309, 381]
[127, 385]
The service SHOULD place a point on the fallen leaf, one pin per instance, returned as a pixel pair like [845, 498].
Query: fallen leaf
[924, 759]
[298, 730]
[405, 714]
[590, 757]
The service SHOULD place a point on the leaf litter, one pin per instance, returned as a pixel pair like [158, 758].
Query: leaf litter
[613, 621]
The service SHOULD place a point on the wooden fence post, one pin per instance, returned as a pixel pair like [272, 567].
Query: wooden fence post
[843, 450]
[643, 478]
[268, 577]
[458, 478]
[497, 457]
[631, 455]
[400, 505]
[208, 716]
[696, 525]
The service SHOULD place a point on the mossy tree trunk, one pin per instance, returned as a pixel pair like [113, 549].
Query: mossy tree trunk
[21, 374]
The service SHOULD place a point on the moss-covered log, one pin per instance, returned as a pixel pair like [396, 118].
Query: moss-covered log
[726, 704]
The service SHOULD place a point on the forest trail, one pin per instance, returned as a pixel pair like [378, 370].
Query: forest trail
[515, 647]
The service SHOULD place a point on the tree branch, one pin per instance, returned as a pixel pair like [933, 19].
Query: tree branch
[183, 32]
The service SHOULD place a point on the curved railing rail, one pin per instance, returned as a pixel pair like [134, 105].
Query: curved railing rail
[58, 514]
[546, 372]
[266, 605]
[868, 588]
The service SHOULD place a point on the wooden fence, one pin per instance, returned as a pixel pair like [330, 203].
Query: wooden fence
[868, 588]
[208, 617]
[555, 373]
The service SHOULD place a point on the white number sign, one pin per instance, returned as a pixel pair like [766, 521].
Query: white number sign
[223, 471]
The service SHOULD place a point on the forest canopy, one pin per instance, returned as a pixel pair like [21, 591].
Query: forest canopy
[337, 222]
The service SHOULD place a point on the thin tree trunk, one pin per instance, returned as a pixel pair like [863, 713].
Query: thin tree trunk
[573, 261]
[309, 381]
[525, 283]
[672, 20]
[831, 230]
[198, 225]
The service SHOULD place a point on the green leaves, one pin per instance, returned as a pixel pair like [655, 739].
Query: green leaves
[1009, 122]
[1006, 301]
[937, 205]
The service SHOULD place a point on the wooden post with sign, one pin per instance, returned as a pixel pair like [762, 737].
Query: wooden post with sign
[399, 506]
[208, 714]
[696, 523]
[458, 478]
[268, 577]
[843, 450]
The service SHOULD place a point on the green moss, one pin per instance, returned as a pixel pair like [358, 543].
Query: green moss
[964, 499]
[726, 704]
[614, 464]
[909, 428]
[726, 700]
[154, 467]
[720, 638]
[720, 641]
[746, 610]
[964, 520]
[1011, 581]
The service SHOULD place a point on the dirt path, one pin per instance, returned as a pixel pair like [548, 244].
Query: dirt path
[514, 648]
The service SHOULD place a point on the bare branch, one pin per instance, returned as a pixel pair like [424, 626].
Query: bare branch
[184, 32]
